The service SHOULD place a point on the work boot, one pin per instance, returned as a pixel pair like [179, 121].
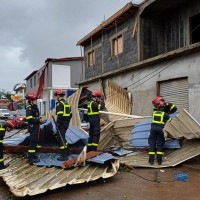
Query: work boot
[2, 166]
[64, 154]
[151, 159]
[159, 159]
[32, 158]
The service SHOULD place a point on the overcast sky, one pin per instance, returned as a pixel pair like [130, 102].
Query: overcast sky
[33, 30]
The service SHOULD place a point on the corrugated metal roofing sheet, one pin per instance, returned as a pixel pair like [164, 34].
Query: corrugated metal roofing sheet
[189, 149]
[184, 125]
[24, 179]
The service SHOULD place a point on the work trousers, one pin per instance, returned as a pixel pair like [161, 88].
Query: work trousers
[94, 134]
[156, 138]
[32, 145]
[1, 148]
[63, 129]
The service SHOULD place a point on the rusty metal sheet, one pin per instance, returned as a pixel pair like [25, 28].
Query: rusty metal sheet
[183, 125]
[171, 158]
[24, 179]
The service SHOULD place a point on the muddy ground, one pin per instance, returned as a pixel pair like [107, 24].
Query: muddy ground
[137, 184]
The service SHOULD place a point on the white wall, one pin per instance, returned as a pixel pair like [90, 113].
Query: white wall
[61, 76]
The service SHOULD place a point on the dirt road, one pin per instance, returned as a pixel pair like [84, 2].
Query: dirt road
[138, 184]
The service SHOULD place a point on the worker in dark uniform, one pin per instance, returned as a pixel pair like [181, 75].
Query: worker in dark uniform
[64, 115]
[167, 106]
[34, 119]
[4, 126]
[94, 106]
[156, 138]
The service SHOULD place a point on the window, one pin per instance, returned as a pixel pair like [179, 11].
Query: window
[195, 28]
[34, 80]
[31, 83]
[91, 59]
[117, 45]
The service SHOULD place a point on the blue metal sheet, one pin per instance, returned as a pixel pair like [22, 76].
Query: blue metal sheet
[140, 134]
[102, 158]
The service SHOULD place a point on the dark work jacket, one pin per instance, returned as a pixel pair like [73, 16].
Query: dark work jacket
[2, 132]
[32, 117]
[169, 108]
[61, 119]
[157, 118]
[96, 107]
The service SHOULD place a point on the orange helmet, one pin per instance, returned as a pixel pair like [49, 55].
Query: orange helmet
[96, 93]
[59, 92]
[157, 100]
[31, 96]
[10, 124]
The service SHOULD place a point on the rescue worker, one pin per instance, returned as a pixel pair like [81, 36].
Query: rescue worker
[94, 106]
[156, 137]
[64, 115]
[4, 126]
[167, 107]
[33, 118]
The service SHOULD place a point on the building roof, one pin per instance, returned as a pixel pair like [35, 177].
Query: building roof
[31, 74]
[120, 16]
[63, 59]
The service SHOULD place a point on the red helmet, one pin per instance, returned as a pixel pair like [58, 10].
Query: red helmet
[31, 96]
[59, 92]
[10, 124]
[96, 93]
[157, 100]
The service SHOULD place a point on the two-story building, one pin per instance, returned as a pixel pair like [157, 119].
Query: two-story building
[149, 49]
[59, 73]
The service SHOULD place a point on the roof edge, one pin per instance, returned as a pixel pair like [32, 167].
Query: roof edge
[108, 21]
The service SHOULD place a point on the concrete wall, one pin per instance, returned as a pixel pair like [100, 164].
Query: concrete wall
[167, 30]
[104, 61]
[142, 82]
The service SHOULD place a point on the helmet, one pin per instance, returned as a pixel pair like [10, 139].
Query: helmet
[157, 100]
[10, 124]
[96, 93]
[59, 92]
[31, 96]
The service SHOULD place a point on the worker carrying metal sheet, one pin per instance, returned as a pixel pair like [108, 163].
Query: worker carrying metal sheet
[95, 104]
[156, 138]
[64, 115]
[4, 126]
[33, 118]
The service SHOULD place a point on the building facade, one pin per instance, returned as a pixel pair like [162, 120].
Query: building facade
[149, 49]
[59, 73]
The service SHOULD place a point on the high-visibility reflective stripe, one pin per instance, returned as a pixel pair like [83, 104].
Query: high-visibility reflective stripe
[1, 160]
[158, 114]
[92, 144]
[1, 141]
[62, 147]
[60, 112]
[90, 112]
[38, 146]
[2, 128]
[151, 153]
[160, 152]
[29, 117]
[172, 107]
[66, 112]
[31, 151]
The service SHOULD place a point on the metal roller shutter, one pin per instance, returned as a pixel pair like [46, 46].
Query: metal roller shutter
[176, 91]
